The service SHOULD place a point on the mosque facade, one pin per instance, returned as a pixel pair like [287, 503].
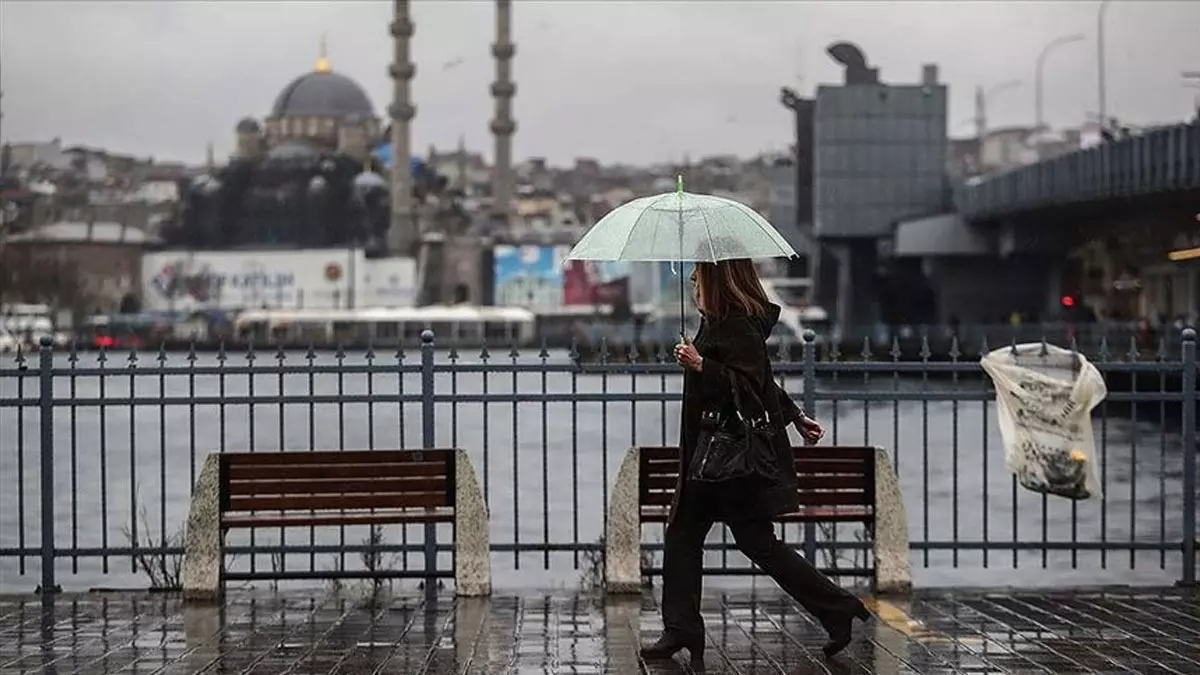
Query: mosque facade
[304, 176]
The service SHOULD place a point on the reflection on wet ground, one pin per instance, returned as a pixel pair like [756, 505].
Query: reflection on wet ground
[1103, 631]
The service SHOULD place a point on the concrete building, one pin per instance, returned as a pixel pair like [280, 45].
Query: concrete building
[879, 157]
[82, 267]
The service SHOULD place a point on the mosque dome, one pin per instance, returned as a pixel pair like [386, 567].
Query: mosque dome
[248, 125]
[323, 93]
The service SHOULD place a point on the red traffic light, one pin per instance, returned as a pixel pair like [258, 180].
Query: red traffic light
[1068, 301]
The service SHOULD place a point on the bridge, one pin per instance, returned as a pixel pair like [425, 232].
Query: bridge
[1160, 162]
[1108, 232]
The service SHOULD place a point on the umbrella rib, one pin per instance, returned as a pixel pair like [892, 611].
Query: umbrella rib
[711, 251]
[629, 235]
[757, 220]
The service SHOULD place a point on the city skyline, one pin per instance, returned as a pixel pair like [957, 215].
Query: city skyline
[622, 82]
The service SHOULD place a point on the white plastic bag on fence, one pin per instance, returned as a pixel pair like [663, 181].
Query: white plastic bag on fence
[1044, 398]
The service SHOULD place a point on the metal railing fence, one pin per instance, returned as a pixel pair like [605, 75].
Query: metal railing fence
[98, 453]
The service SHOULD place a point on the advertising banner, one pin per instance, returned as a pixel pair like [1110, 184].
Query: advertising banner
[202, 281]
[540, 276]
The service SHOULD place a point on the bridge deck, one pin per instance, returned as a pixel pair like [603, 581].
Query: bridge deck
[1102, 631]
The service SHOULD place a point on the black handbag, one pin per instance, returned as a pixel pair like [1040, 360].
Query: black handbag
[732, 447]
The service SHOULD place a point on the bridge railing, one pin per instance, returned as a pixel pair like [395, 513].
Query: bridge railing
[98, 453]
[1165, 159]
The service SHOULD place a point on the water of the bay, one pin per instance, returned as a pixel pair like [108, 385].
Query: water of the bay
[548, 468]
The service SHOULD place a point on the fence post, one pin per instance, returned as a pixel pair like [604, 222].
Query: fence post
[810, 402]
[1189, 457]
[46, 425]
[428, 438]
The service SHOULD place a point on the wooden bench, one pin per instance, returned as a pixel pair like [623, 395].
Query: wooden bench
[375, 487]
[835, 485]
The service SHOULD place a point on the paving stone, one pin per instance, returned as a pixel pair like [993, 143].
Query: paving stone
[1118, 630]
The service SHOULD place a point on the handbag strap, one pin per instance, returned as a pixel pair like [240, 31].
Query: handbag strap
[739, 381]
[740, 384]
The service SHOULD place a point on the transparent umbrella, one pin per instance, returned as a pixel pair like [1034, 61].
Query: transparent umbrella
[681, 227]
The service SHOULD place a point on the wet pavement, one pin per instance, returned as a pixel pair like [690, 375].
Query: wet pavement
[345, 632]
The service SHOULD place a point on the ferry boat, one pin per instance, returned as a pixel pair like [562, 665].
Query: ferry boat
[458, 325]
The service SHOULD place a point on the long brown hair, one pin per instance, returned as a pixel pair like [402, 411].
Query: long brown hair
[730, 286]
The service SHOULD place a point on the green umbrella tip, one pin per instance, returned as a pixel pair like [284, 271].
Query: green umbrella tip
[679, 184]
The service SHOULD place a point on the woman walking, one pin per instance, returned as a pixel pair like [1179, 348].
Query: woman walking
[729, 351]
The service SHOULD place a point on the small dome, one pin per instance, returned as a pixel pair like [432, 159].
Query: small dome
[323, 94]
[248, 125]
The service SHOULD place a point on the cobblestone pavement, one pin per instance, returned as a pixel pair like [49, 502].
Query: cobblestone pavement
[1101, 631]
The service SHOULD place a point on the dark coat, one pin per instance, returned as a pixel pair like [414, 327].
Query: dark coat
[738, 342]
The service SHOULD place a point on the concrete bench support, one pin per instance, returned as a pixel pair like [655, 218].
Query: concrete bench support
[472, 534]
[203, 556]
[202, 538]
[622, 563]
[893, 571]
[623, 540]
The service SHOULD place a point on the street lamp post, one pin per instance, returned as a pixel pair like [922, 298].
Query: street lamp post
[1039, 112]
[1191, 78]
[1101, 84]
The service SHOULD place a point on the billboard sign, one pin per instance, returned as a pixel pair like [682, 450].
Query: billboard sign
[541, 277]
[387, 282]
[193, 281]
[529, 276]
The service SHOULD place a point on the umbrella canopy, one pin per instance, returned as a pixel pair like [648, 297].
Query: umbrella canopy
[681, 226]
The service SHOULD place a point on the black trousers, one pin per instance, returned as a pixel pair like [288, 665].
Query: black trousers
[683, 560]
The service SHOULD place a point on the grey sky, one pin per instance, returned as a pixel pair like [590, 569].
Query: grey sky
[617, 80]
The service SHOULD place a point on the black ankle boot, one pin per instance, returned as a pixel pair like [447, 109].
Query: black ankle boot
[841, 630]
[671, 643]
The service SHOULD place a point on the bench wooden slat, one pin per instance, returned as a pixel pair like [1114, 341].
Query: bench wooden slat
[659, 481]
[805, 497]
[838, 452]
[340, 470]
[443, 515]
[809, 466]
[335, 486]
[818, 482]
[807, 514]
[829, 513]
[658, 497]
[333, 457]
[833, 483]
[659, 452]
[339, 502]
[845, 497]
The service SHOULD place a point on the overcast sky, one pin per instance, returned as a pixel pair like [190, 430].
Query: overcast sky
[618, 80]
